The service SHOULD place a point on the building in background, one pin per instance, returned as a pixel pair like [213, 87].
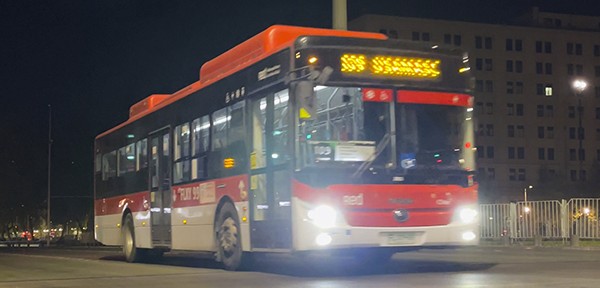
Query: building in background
[527, 110]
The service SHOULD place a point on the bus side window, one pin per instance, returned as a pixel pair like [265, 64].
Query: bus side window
[142, 155]
[181, 167]
[109, 165]
[200, 140]
[98, 163]
[236, 136]
[219, 131]
[126, 160]
[280, 128]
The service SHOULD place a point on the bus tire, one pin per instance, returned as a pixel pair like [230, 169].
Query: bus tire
[130, 251]
[229, 244]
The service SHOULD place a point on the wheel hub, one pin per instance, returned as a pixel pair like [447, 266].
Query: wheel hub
[228, 236]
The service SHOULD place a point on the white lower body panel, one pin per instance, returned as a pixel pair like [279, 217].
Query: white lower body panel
[108, 229]
[307, 235]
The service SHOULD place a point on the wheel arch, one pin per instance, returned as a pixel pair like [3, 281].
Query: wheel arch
[222, 202]
[125, 212]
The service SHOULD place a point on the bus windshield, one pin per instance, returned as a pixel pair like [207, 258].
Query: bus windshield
[354, 125]
[346, 129]
[434, 136]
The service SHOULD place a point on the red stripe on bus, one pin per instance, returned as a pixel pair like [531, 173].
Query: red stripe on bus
[373, 205]
[210, 192]
[435, 98]
[136, 202]
[188, 195]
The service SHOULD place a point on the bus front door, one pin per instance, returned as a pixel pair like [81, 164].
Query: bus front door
[270, 186]
[160, 189]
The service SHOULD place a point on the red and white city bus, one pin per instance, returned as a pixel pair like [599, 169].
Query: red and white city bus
[297, 140]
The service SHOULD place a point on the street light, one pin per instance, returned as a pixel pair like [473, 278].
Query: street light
[579, 86]
[525, 192]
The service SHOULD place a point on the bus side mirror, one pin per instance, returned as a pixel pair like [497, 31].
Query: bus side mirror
[320, 77]
[306, 99]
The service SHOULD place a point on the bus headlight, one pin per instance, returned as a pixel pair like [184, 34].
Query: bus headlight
[323, 216]
[467, 214]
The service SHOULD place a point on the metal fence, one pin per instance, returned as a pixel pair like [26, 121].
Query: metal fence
[546, 219]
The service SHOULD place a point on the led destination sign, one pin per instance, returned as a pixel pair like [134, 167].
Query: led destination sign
[390, 66]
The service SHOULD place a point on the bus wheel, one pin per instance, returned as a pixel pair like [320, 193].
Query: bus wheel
[228, 237]
[130, 251]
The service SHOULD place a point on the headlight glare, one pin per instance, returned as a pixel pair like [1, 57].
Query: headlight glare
[467, 215]
[323, 216]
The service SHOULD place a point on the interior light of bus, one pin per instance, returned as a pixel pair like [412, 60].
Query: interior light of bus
[228, 163]
[297, 55]
[130, 136]
[222, 120]
[312, 60]
[464, 69]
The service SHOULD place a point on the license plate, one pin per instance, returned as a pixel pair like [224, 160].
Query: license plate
[400, 238]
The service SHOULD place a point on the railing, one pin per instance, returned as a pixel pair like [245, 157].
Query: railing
[541, 219]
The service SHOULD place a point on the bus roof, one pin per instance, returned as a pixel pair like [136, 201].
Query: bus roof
[260, 46]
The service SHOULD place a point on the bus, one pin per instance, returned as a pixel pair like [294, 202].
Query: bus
[301, 141]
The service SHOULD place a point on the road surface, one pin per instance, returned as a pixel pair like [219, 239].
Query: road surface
[470, 267]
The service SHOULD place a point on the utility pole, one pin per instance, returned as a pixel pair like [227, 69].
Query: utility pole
[340, 17]
[579, 86]
[49, 170]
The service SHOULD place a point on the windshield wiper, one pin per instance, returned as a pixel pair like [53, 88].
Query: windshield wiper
[369, 162]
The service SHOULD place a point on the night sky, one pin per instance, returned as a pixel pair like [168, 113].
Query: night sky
[92, 59]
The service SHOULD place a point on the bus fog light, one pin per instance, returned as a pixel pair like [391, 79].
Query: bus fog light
[323, 239]
[469, 236]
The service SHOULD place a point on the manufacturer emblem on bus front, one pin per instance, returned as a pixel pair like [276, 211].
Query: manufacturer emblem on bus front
[401, 215]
